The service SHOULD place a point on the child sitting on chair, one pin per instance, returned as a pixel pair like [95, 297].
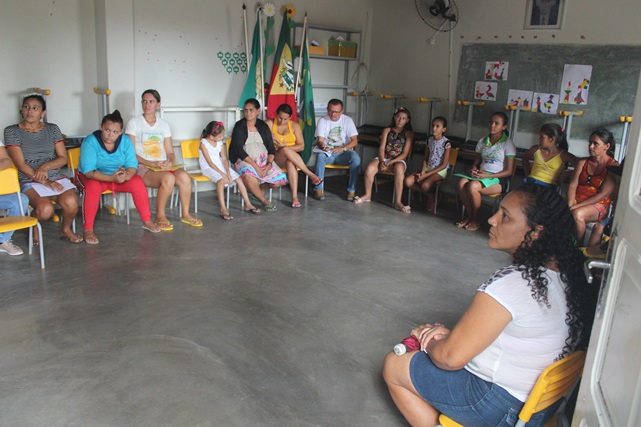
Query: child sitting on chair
[214, 165]
[435, 163]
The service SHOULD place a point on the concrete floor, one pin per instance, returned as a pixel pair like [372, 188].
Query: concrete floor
[278, 319]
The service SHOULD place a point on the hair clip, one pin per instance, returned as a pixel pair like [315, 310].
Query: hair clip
[399, 109]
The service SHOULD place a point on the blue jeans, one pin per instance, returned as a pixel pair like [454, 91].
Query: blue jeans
[10, 202]
[468, 399]
[346, 158]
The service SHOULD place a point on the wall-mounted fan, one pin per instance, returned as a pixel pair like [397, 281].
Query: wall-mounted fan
[442, 15]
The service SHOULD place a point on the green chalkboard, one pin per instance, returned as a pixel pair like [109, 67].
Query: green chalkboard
[539, 68]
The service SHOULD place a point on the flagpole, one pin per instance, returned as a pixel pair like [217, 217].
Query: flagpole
[261, 63]
[246, 37]
[303, 46]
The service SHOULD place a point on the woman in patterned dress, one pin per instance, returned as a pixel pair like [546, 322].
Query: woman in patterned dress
[394, 149]
[588, 198]
[251, 152]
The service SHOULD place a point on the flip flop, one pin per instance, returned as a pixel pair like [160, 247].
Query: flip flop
[226, 217]
[462, 223]
[471, 226]
[270, 208]
[358, 200]
[77, 239]
[152, 230]
[296, 205]
[165, 225]
[404, 209]
[320, 181]
[253, 211]
[194, 222]
[91, 240]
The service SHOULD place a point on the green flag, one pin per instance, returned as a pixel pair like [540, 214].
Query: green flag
[306, 116]
[254, 85]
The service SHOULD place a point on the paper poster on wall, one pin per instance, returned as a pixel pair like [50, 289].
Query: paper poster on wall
[496, 70]
[547, 103]
[576, 84]
[519, 98]
[485, 91]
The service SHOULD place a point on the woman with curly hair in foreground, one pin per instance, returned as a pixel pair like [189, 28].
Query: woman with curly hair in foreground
[527, 315]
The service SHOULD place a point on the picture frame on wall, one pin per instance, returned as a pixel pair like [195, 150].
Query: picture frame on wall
[544, 14]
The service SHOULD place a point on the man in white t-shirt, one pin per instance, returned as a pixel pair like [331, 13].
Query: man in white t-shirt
[336, 137]
[10, 202]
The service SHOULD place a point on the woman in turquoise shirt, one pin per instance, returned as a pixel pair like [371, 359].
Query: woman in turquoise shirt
[108, 162]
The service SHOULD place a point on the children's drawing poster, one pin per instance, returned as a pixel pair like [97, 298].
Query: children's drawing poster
[485, 91]
[519, 98]
[496, 70]
[547, 103]
[576, 84]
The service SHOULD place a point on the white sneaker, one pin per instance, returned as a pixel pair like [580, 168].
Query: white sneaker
[10, 248]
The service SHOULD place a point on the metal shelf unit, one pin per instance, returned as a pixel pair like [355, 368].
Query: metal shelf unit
[348, 34]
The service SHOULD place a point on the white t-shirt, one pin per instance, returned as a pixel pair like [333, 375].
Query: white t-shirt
[336, 134]
[493, 156]
[532, 340]
[150, 140]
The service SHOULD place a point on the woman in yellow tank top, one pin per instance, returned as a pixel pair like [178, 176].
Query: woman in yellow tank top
[550, 155]
[288, 141]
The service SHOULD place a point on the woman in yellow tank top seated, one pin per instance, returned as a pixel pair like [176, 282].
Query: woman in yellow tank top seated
[288, 141]
[550, 155]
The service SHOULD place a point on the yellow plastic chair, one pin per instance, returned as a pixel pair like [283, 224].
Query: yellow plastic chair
[9, 185]
[553, 384]
[189, 150]
[73, 160]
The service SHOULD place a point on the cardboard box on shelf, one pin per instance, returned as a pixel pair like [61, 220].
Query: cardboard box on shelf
[342, 48]
[314, 50]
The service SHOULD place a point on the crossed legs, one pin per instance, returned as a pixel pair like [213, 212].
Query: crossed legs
[289, 159]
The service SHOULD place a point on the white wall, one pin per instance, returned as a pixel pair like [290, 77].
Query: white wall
[403, 61]
[50, 45]
[132, 45]
[128, 46]
[176, 46]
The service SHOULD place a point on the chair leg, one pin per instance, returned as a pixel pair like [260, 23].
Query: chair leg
[227, 204]
[306, 184]
[195, 195]
[435, 199]
[40, 246]
[127, 208]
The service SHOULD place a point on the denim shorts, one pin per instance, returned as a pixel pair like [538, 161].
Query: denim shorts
[529, 180]
[466, 398]
[26, 185]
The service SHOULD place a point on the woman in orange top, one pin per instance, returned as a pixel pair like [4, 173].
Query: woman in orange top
[288, 141]
[588, 199]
